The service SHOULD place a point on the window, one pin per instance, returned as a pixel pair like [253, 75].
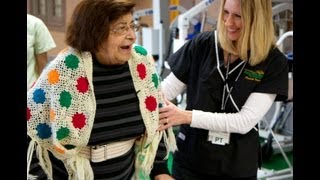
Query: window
[52, 12]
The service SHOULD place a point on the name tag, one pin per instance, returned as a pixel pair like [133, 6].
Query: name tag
[220, 138]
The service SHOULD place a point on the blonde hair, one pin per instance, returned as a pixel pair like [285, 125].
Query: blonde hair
[257, 35]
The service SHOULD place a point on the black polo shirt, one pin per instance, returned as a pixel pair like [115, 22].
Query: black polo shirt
[198, 65]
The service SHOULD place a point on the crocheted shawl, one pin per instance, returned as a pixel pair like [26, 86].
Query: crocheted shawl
[61, 109]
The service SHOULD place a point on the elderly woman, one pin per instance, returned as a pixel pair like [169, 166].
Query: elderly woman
[93, 113]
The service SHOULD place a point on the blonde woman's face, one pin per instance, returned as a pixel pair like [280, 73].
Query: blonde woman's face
[232, 19]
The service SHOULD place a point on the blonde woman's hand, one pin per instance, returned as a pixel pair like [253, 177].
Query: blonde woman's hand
[171, 115]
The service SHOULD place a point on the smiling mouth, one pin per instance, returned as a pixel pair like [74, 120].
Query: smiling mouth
[126, 47]
[232, 31]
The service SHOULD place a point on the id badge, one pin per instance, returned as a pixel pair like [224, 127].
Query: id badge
[220, 138]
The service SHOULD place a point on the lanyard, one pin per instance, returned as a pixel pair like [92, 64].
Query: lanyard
[226, 91]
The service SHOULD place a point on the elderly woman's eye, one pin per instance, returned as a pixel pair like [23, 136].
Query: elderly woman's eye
[122, 28]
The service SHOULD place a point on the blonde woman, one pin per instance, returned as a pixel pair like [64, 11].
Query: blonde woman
[232, 76]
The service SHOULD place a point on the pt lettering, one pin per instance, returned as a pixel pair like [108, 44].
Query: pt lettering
[218, 139]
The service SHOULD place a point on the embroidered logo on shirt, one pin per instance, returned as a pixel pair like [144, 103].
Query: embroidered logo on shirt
[253, 75]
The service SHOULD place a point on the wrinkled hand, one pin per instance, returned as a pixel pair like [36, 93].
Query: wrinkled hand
[163, 177]
[171, 115]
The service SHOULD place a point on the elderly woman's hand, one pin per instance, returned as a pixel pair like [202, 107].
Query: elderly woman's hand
[170, 115]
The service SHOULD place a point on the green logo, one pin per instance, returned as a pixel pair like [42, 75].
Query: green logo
[253, 75]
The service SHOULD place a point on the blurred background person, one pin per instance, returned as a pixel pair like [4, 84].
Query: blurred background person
[39, 42]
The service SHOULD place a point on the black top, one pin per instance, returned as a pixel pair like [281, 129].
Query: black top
[196, 65]
[118, 117]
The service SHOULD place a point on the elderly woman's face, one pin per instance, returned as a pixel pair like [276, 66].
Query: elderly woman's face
[117, 48]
